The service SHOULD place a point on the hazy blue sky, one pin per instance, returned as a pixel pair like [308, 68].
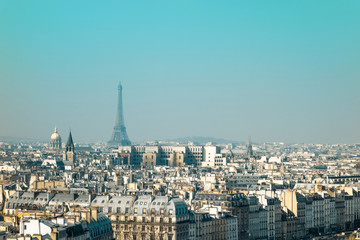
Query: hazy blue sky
[276, 70]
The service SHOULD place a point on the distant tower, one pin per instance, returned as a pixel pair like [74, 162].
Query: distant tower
[55, 141]
[249, 151]
[119, 136]
[69, 154]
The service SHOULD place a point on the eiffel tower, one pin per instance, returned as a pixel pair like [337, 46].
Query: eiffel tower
[119, 136]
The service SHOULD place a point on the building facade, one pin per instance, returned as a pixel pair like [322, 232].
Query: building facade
[146, 217]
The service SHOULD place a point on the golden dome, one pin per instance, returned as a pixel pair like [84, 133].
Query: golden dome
[55, 135]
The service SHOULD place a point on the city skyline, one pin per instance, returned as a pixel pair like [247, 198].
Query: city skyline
[278, 72]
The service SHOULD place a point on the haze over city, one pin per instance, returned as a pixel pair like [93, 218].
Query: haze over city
[277, 71]
[179, 120]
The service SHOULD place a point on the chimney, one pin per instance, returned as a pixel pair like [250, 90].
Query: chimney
[94, 213]
[54, 233]
[88, 216]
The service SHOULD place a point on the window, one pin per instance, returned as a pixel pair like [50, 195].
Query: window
[144, 210]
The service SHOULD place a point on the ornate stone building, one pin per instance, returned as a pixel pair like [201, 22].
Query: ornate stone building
[55, 141]
[210, 226]
[146, 217]
[236, 203]
[172, 156]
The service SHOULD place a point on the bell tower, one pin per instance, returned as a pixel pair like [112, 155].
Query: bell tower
[69, 154]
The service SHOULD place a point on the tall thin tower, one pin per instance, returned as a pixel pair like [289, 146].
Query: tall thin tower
[249, 150]
[119, 136]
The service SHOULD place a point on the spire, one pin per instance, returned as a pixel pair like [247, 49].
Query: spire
[69, 154]
[55, 130]
[70, 140]
[249, 151]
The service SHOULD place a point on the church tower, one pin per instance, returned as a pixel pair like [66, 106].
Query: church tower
[249, 151]
[69, 154]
